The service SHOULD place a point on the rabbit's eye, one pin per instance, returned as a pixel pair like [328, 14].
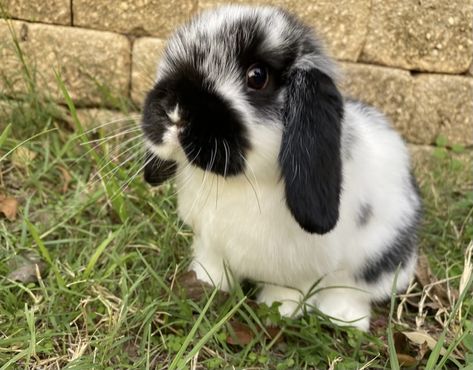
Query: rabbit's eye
[257, 76]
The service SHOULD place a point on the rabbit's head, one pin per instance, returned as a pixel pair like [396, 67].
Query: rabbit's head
[250, 89]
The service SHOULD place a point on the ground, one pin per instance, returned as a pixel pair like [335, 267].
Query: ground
[92, 263]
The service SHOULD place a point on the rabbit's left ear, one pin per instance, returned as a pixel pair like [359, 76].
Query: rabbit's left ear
[310, 157]
[156, 170]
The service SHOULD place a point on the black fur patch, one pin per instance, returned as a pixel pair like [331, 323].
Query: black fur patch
[400, 250]
[155, 122]
[157, 171]
[310, 150]
[365, 214]
[398, 253]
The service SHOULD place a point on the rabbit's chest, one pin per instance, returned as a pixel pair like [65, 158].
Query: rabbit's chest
[249, 226]
[231, 206]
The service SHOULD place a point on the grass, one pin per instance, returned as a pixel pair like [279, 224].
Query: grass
[105, 297]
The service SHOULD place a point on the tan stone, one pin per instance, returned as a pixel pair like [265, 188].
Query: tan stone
[420, 107]
[50, 11]
[445, 102]
[87, 60]
[141, 17]
[389, 90]
[428, 35]
[341, 24]
[146, 53]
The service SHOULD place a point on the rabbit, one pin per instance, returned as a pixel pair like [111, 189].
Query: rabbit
[284, 181]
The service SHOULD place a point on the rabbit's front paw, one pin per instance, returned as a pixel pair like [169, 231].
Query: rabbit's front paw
[345, 308]
[290, 299]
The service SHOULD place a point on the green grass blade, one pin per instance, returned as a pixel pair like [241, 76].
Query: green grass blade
[45, 253]
[98, 252]
[212, 331]
[177, 360]
[25, 141]
[69, 102]
[448, 354]
[116, 196]
[15, 359]
[4, 135]
[435, 354]
[392, 348]
[29, 314]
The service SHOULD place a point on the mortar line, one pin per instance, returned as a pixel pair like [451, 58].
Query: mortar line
[71, 8]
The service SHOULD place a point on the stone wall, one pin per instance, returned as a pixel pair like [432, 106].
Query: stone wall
[411, 59]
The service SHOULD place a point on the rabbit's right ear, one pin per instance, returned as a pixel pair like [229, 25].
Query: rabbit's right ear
[156, 170]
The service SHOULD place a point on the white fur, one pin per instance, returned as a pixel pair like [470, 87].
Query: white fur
[174, 115]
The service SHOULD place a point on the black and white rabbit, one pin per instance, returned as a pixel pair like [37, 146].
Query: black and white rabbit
[283, 181]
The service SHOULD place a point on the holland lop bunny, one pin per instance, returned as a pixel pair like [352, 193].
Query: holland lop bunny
[283, 180]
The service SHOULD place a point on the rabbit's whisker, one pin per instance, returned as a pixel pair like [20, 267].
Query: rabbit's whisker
[99, 171]
[122, 128]
[112, 172]
[98, 145]
[107, 138]
[198, 195]
[217, 176]
[226, 148]
[98, 175]
[213, 156]
[118, 149]
[216, 195]
[127, 183]
[131, 118]
[249, 182]
[187, 180]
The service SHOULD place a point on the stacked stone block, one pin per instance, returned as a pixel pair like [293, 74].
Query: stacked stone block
[411, 59]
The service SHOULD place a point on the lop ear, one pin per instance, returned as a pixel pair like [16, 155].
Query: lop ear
[157, 171]
[310, 150]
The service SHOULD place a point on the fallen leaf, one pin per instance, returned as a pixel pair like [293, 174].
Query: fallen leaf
[66, 179]
[406, 360]
[406, 353]
[240, 334]
[400, 343]
[22, 157]
[420, 338]
[274, 332]
[192, 287]
[9, 207]
[24, 268]
[423, 349]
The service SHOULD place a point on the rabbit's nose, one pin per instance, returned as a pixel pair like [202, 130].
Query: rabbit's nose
[175, 117]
